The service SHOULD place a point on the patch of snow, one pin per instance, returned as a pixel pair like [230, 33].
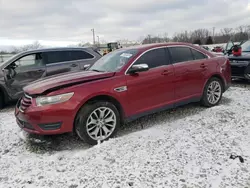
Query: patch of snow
[186, 147]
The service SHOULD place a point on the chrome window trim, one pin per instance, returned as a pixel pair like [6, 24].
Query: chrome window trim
[167, 46]
[172, 46]
[65, 62]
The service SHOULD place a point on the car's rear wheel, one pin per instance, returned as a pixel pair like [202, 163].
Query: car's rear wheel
[98, 121]
[212, 93]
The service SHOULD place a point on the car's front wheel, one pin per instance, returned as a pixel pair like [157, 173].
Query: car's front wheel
[98, 121]
[212, 93]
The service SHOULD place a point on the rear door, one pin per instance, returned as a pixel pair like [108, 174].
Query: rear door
[58, 62]
[84, 57]
[153, 88]
[190, 68]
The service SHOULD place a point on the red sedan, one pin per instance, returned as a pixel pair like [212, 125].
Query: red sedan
[122, 86]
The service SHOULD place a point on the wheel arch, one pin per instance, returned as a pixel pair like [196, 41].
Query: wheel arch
[219, 77]
[103, 97]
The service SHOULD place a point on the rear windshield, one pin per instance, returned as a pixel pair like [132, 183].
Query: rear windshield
[246, 46]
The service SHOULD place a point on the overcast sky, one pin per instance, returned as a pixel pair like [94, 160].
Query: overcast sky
[22, 21]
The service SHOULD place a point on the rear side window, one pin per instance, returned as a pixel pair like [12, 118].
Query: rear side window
[180, 54]
[198, 55]
[56, 56]
[154, 58]
[79, 54]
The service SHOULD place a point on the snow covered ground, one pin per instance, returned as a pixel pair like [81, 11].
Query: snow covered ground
[189, 147]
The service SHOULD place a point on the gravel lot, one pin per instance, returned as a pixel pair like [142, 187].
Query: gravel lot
[188, 147]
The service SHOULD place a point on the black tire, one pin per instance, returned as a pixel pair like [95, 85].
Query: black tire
[83, 115]
[1, 100]
[204, 100]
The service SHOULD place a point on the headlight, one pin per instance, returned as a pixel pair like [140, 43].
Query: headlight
[41, 101]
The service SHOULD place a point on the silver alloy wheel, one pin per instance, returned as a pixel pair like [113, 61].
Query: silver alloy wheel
[101, 123]
[214, 92]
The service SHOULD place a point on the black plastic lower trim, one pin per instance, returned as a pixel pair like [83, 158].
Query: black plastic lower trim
[50, 126]
[167, 107]
[25, 124]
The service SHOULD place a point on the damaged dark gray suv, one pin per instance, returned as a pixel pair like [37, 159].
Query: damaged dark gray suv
[26, 67]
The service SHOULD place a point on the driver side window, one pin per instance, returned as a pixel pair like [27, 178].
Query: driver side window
[29, 61]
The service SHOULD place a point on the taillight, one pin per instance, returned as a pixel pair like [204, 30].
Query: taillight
[226, 66]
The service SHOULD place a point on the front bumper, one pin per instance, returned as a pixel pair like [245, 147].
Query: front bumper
[49, 120]
[240, 69]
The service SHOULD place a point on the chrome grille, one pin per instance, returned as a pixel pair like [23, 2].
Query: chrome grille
[25, 102]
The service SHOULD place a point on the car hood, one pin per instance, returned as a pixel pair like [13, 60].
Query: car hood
[50, 84]
[244, 56]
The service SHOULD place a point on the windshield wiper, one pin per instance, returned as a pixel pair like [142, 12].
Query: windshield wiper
[96, 70]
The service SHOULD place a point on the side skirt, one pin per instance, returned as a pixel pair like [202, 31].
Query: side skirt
[164, 108]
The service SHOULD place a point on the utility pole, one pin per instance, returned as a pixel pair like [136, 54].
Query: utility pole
[213, 34]
[98, 38]
[93, 31]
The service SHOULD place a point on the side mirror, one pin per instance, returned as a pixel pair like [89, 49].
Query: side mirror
[138, 68]
[85, 67]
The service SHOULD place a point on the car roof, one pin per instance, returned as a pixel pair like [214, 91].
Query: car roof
[56, 48]
[42, 50]
[143, 47]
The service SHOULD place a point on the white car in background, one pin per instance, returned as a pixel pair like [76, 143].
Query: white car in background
[210, 50]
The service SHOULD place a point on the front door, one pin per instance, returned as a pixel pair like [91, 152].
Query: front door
[24, 71]
[190, 70]
[154, 88]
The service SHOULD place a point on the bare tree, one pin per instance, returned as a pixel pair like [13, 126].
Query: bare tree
[226, 31]
[225, 35]
[242, 33]
[35, 45]
[82, 44]
[200, 34]
[166, 38]
[209, 40]
[248, 31]
[182, 37]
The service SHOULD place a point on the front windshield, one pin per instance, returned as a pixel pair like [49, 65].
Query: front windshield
[246, 46]
[113, 61]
